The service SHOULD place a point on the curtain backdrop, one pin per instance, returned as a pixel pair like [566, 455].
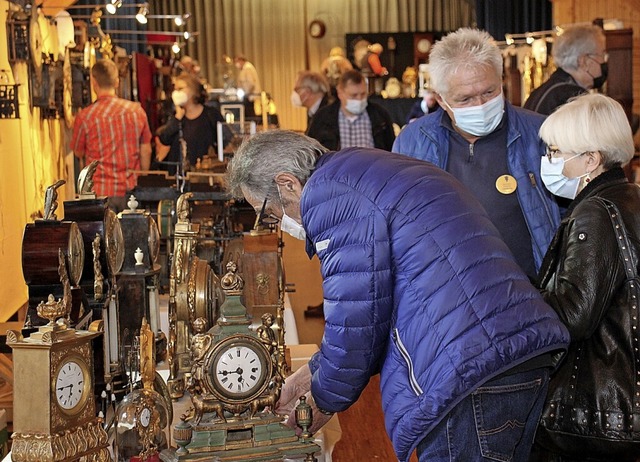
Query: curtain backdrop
[273, 33]
[499, 17]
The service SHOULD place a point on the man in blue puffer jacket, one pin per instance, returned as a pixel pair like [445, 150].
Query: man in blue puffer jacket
[419, 287]
[492, 147]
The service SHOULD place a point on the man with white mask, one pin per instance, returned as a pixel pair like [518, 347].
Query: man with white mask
[311, 92]
[352, 120]
[485, 142]
[418, 287]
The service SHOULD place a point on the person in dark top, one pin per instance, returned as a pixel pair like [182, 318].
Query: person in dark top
[352, 120]
[192, 122]
[487, 143]
[580, 54]
[426, 105]
[311, 91]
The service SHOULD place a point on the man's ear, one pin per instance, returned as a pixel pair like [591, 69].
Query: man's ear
[287, 182]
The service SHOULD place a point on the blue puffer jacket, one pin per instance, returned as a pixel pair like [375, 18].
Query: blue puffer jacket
[417, 286]
[427, 139]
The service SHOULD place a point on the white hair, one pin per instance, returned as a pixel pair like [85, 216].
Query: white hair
[464, 48]
[589, 123]
[576, 41]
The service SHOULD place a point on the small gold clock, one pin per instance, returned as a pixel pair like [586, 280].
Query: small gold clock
[54, 415]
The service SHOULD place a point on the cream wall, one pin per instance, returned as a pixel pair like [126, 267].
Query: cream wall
[31, 158]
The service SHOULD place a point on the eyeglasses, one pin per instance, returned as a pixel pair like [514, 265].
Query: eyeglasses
[553, 154]
[265, 219]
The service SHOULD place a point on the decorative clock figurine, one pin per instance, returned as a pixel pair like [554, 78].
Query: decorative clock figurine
[235, 382]
[54, 414]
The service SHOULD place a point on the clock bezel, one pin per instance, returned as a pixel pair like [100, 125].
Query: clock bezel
[86, 388]
[220, 392]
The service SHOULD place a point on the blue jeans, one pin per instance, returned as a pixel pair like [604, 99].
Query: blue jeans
[497, 422]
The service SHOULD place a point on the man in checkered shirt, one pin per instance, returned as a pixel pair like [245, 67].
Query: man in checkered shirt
[352, 120]
[115, 132]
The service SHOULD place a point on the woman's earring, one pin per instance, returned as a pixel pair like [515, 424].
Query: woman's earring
[587, 178]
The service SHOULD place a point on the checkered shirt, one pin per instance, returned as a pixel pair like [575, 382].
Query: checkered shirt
[355, 132]
[111, 131]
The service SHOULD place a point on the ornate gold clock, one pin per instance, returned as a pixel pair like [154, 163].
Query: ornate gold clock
[235, 382]
[239, 369]
[54, 416]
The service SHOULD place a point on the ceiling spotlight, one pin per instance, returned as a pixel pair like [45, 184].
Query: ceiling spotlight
[142, 13]
[113, 6]
[186, 35]
[175, 47]
[181, 20]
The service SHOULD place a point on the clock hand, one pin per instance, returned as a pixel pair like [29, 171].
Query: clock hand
[67, 386]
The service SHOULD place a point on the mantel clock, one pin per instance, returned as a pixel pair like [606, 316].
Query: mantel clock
[54, 414]
[235, 381]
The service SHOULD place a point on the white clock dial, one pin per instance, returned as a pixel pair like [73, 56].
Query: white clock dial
[239, 370]
[145, 417]
[70, 385]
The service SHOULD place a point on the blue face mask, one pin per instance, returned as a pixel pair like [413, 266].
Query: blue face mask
[555, 181]
[479, 120]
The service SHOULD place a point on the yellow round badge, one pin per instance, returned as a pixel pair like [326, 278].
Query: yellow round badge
[506, 184]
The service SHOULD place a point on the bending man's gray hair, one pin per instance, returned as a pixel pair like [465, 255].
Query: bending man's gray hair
[464, 48]
[260, 158]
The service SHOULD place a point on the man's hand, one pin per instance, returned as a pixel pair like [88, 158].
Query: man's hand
[296, 385]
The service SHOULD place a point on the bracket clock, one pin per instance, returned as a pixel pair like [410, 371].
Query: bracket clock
[41, 242]
[137, 281]
[54, 414]
[235, 382]
[104, 251]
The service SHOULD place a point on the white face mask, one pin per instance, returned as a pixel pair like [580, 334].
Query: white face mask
[555, 181]
[295, 99]
[356, 106]
[423, 106]
[479, 120]
[179, 97]
[290, 226]
[293, 228]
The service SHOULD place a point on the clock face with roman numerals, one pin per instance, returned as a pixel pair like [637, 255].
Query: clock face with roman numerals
[240, 369]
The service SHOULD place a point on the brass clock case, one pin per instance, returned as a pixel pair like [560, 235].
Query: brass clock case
[153, 240]
[76, 254]
[114, 242]
[71, 384]
[239, 369]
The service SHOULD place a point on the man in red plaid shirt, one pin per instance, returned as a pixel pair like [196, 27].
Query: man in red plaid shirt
[115, 132]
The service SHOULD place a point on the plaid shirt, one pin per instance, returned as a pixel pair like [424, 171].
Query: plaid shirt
[111, 131]
[355, 131]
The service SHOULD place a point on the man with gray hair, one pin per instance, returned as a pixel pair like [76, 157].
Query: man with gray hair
[580, 55]
[491, 146]
[311, 91]
[418, 287]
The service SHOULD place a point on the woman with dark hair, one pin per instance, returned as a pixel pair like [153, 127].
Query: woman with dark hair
[193, 127]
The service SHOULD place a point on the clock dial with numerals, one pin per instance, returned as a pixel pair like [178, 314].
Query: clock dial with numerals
[240, 368]
[71, 384]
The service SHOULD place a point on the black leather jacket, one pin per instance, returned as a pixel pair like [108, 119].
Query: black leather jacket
[596, 390]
